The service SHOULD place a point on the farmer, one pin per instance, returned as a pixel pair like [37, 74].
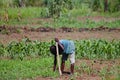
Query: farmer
[66, 48]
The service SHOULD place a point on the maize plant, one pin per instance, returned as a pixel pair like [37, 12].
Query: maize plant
[98, 49]
[91, 49]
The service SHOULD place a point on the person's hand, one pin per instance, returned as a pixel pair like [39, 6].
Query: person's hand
[56, 40]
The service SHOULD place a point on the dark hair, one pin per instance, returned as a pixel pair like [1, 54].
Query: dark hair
[53, 49]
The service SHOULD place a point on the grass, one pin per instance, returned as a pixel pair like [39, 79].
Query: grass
[16, 69]
[63, 22]
[31, 68]
[29, 14]
[104, 73]
[26, 12]
[87, 23]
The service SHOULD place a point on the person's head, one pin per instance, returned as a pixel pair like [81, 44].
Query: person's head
[53, 49]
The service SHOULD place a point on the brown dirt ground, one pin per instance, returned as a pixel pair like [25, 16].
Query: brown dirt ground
[75, 35]
[44, 34]
[47, 36]
[95, 65]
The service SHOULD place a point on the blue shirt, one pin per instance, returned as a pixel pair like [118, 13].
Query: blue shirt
[69, 46]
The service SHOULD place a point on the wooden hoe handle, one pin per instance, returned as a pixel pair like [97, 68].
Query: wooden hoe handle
[58, 59]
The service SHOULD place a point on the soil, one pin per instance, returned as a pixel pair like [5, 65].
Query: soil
[80, 74]
[47, 34]
[9, 33]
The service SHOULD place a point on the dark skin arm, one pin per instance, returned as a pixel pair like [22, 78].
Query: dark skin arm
[57, 40]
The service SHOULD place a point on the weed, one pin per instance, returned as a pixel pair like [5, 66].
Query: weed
[16, 69]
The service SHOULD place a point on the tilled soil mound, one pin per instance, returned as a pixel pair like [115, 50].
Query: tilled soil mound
[13, 29]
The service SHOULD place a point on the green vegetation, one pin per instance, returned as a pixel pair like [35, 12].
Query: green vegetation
[68, 12]
[98, 49]
[72, 22]
[25, 48]
[31, 68]
[63, 22]
[91, 49]
[15, 13]
[105, 72]
[28, 59]
[26, 69]
[98, 5]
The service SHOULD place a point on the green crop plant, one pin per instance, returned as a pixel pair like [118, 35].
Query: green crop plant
[115, 71]
[91, 49]
[85, 68]
[103, 72]
[98, 49]
[28, 66]
[2, 50]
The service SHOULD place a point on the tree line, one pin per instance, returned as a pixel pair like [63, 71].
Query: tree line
[105, 5]
[55, 7]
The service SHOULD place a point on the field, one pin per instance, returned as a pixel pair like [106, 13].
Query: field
[25, 42]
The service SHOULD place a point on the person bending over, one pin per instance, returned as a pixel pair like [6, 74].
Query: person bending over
[66, 49]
